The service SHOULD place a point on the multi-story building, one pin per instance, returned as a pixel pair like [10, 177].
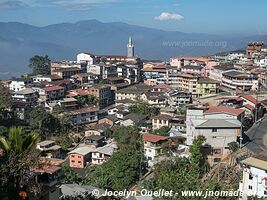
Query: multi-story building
[254, 179]
[234, 80]
[219, 125]
[66, 72]
[45, 78]
[195, 69]
[51, 93]
[188, 82]
[102, 93]
[84, 115]
[101, 154]
[50, 148]
[254, 48]
[104, 71]
[153, 147]
[80, 157]
[27, 95]
[160, 121]
[19, 84]
[132, 93]
[157, 99]
[87, 58]
[217, 72]
[177, 99]
[207, 87]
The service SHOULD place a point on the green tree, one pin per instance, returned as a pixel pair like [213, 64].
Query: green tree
[69, 175]
[40, 64]
[5, 101]
[233, 146]
[144, 109]
[87, 100]
[19, 155]
[196, 156]
[44, 122]
[164, 131]
[116, 173]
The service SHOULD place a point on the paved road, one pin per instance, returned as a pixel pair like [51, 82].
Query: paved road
[256, 137]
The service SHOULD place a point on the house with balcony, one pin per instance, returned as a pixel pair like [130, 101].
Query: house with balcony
[207, 87]
[18, 84]
[219, 125]
[84, 115]
[254, 178]
[49, 148]
[160, 121]
[48, 173]
[234, 80]
[51, 93]
[153, 147]
[101, 154]
[26, 95]
[177, 98]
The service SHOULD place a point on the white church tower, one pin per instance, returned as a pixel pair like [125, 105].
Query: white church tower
[130, 48]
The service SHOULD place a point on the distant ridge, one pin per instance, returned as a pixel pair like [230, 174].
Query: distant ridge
[19, 41]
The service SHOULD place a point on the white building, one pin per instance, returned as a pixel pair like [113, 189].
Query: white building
[153, 147]
[84, 115]
[236, 80]
[86, 58]
[254, 182]
[101, 154]
[19, 84]
[27, 95]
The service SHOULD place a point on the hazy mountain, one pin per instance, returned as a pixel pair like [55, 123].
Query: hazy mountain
[19, 42]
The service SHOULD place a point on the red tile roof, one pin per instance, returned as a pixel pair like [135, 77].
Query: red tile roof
[153, 138]
[248, 106]
[249, 98]
[224, 109]
[52, 88]
[77, 92]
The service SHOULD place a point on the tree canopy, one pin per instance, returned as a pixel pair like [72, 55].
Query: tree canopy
[40, 64]
[44, 122]
[144, 109]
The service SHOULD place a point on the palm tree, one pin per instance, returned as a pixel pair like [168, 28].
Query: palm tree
[16, 160]
[16, 142]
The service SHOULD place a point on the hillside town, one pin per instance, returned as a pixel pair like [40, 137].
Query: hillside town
[122, 122]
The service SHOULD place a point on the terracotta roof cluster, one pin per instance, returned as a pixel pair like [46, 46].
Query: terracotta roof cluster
[153, 138]
[78, 92]
[52, 88]
[224, 109]
[249, 98]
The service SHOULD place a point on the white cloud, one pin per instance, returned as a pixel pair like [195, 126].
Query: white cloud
[169, 16]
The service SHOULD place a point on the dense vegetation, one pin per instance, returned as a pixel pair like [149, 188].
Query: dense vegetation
[40, 64]
[144, 109]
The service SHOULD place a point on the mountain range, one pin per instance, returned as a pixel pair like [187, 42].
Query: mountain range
[19, 42]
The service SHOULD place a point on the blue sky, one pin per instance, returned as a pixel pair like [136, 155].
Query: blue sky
[198, 16]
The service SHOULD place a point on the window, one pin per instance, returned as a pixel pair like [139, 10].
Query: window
[265, 192]
[79, 162]
[216, 160]
[214, 130]
[250, 177]
[79, 156]
[250, 187]
[73, 161]
[217, 151]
